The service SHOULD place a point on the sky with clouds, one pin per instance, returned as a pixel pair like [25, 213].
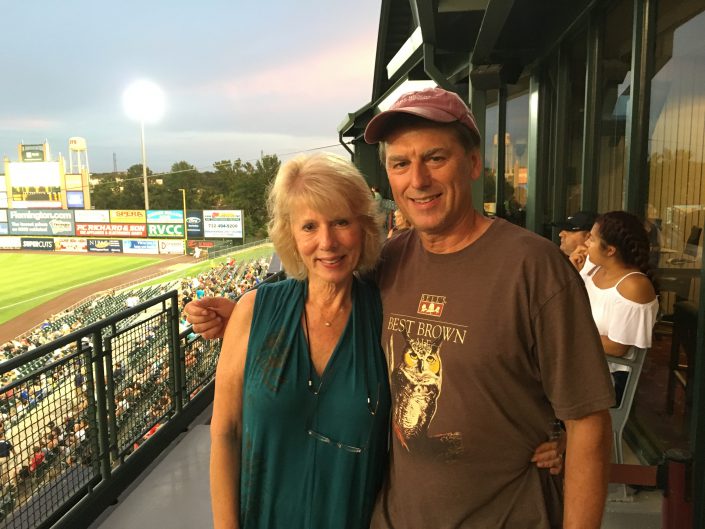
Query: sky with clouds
[240, 78]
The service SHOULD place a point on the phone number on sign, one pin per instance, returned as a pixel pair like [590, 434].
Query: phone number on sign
[223, 225]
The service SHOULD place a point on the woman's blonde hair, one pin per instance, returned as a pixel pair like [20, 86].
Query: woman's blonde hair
[331, 185]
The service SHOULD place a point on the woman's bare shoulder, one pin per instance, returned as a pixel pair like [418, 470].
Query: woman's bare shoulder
[240, 320]
[247, 301]
[637, 288]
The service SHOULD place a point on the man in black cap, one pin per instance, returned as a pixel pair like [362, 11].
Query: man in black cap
[574, 230]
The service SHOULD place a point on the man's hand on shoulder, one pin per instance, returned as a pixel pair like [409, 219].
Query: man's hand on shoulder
[209, 316]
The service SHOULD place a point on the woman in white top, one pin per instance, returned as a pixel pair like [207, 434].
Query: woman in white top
[620, 287]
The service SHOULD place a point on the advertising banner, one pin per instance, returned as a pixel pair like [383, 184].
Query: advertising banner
[40, 222]
[74, 199]
[92, 215]
[163, 216]
[224, 224]
[140, 246]
[131, 216]
[110, 230]
[165, 230]
[171, 247]
[4, 228]
[194, 223]
[200, 244]
[105, 245]
[70, 244]
[10, 243]
[37, 243]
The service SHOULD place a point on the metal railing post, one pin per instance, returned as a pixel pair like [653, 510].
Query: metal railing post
[111, 418]
[176, 359]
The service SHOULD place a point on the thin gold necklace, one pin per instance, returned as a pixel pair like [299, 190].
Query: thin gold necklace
[329, 322]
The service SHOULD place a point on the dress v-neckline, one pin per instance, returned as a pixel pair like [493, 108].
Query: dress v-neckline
[316, 378]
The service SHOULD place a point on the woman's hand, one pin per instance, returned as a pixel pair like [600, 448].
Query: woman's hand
[550, 455]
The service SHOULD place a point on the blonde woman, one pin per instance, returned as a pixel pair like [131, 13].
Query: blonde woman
[301, 410]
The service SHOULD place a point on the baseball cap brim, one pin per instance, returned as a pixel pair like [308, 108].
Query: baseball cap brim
[563, 226]
[379, 125]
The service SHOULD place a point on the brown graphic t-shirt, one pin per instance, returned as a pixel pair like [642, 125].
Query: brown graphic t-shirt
[485, 347]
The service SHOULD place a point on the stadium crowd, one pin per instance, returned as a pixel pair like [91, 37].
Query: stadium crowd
[231, 279]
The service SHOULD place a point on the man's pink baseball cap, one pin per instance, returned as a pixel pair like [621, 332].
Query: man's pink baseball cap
[434, 104]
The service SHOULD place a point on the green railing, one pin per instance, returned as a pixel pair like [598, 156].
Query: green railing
[84, 415]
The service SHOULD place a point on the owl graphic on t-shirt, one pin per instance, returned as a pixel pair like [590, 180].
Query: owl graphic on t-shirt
[416, 387]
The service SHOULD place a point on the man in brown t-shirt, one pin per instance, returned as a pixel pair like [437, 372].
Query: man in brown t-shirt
[482, 346]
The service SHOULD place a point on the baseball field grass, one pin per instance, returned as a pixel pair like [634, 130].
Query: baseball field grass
[28, 280]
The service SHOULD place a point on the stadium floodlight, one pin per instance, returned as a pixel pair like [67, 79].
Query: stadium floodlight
[144, 102]
[183, 205]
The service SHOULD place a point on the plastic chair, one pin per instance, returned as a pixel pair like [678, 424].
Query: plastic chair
[620, 414]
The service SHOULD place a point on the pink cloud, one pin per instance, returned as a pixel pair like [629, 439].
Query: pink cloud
[333, 74]
[30, 123]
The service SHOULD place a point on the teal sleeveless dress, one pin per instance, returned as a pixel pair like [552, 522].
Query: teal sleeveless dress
[313, 456]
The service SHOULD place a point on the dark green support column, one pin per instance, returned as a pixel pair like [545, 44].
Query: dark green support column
[637, 133]
[478, 104]
[501, 147]
[535, 184]
[558, 140]
[593, 105]
[697, 427]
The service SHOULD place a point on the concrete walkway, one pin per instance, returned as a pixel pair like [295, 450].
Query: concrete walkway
[174, 493]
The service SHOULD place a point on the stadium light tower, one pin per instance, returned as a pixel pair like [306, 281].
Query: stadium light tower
[144, 102]
[183, 205]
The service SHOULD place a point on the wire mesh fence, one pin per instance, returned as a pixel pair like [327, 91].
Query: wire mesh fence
[73, 410]
[49, 442]
[200, 361]
[141, 387]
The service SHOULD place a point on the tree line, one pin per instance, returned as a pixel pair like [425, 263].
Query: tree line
[230, 185]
